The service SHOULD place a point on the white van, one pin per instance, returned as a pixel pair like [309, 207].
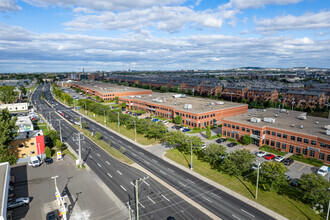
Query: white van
[323, 170]
[35, 161]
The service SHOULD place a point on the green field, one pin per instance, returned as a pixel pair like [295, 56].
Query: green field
[41, 126]
[281, 204]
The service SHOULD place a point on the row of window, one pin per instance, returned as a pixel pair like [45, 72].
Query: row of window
[31, 152]
[235, 127]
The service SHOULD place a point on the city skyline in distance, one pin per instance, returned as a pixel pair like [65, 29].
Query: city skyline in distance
[66, 36]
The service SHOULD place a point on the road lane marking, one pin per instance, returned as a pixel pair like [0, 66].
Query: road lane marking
[132, 183]
[190, 181]
[170, 170]
[123, 188]
[77, 149]
[98, 154]
[83, 149]
[151, 200]
[154, 160]
[98, 164]
[165, 198]
[215, 195]
[147, 162]
[141, 205]
[119, 172]
[146, 183]
[90, 156]
[141, 153]
[107, 162]
[182, 184]
[236, 217]
[109, 175]
[207, 199]
[162, 172]
[247, 213]
[134, 154]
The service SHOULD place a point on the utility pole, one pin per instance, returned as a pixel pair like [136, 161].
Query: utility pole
[105, 121]
[257, 180]
[85, 109]
[80, 122]
[137, 195]
[134, 129]
[118, 122]
[191, 155]
[59, 199]
[79, 139]
[59, 122]
[129, 211]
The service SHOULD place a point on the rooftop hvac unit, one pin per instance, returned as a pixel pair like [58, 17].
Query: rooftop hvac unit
[301, 126]
[269, 120]
[292, 125]
[302, 116]
[220, 103]
[255, 120]
[187, 106]
[328, 132]
[327, 127]
[154, 100]
[183, 96]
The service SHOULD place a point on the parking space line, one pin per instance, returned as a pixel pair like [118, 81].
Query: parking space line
[98, 164]
[154, 160]
[98, 154]
[119, 172]
[123, 188]
[301, 168]
[90, 156]
[146, 183]
[147, 162]
[182, 184]
[151, 200]
[141, 205]
[235, 217]
[162, 172]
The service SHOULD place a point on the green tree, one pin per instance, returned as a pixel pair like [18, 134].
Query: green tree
[48, 152]
[123, 105]
[213, 152]
[177, 119]
[8, 94]
[314, 189]
[272, 176]
[83, 124]
[208, 132]
[98, 135]
[59, 145]
[163, 89]
[8, 132]
[238, 163]
[247, 139]
[176, 139]
[22, 89]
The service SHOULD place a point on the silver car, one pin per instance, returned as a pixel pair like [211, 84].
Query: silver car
[18, 202]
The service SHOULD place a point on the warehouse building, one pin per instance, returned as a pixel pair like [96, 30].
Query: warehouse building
[288, 131]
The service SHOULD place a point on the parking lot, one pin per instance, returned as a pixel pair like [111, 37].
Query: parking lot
[87, 196]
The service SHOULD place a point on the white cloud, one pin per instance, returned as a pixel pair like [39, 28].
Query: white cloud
[290, 22]
[9, 5]
[64, 52]
[170, 19]
[244, 4]
[103, 5]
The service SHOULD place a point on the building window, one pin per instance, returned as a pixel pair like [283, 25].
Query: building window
[285, 136]
[26, 146]
[312, 153]
[278, 144]
[224, 124]
[23, 155]
[323, 145]
[313, 142]
[237, 127]
[248, 130]
[328, 158]
[305, 151]
[273, 133]
[243, 128]
[267, 142]
[268, 132]
[283, 146]
[11, 147]
[228, 125]
[233, 126]
[32, 152]
[272, 143]
[298, 150]
[279, 135]
[20, 145]
[321, 156]
[291, 149]
[306, 141]
[293, 138]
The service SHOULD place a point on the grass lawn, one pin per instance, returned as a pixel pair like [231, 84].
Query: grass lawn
[272, 150]
[314, 162]
[196, 131]
[128, 133]
[41, 126]
[281, 204]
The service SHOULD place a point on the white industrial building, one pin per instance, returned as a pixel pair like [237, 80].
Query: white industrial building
[15, 107]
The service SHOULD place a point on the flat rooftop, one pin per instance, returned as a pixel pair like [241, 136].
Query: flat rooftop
[28, 134]
[198, 105]
[285, 120]
[109, 88]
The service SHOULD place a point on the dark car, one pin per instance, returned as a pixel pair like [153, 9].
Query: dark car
[220, 140]
[48, 160]
[231, 144]
[51, 216]
[288, 161]
[295, 182]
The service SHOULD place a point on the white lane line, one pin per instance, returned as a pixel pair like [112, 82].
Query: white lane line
[134, 154]
[215, 195]
[247, 213]
[107, 162]
[162, 172]
[109, 175]
[77, 149]
[123, 188]
[170, 170]
[151, 200]
[90, 156]
[236, 217]
[83, 149]
[119, 172]
[141, 152]
[141, 205]
[132, 183]
[146, 183]
[154, 160]
[207, 199]
[182, 184]
[147, 162]
[98, 164]
[165, 198]
[98, 154]
[190, 181]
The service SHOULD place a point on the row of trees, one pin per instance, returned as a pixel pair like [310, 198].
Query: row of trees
[8, 131]
[312, 188]
[63, 96]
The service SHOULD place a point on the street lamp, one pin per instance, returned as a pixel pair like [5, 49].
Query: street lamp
[59, 122]
[191, 155]
[134, 129]
[85, 109]
[118, 122]
[257, 180]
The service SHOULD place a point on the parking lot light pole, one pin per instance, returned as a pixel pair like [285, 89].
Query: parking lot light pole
[134, 129]
[257, 181]
[59, 122]
[191, 155]
[118, 122]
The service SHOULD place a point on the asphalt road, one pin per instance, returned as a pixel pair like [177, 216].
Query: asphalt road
[155, 201]
[216, 201]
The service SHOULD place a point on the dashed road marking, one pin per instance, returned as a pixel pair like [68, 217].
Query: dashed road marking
[109, 175]
[190, 181]
[98, 164]
[98, 154]
[123, 188]
[154, 160]
[134, 154]
[147, 162]
[146, 183]
[162, 172]
[247, 213]
[132, 183]
[141, 205]
[141, 153]
[207, 199]
[119, 172]
[182, 184]
[90, 156]
[170, 170]
[165, 198]
[151, 200]
[107, 162]
[215, 195]
[236, 217]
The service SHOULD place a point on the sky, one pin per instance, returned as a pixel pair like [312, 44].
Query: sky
[71, 35]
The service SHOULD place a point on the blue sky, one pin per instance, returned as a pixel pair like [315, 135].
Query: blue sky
[68, 35]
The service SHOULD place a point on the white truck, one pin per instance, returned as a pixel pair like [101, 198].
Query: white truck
[324, 170]
[35, 161]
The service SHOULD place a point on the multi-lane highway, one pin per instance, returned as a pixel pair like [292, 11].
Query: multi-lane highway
[216, 201]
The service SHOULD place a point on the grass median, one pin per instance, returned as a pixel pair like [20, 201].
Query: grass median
[281, 204]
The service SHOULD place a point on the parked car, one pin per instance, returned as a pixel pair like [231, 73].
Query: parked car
[324, 170]
[51, 216]
[254, 166]
[48, 160]
[288, 161]
[186, 130]
[148, 117]
[279, 158]
[35, 161]
[18, 202]
[269, 156]
[155, 120]
[261, 154]
[165, 122]
[295, 182]
[231, 144]
[182, 128]
[220, 140]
